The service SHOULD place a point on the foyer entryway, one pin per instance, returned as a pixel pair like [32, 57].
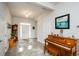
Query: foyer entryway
[24, 31]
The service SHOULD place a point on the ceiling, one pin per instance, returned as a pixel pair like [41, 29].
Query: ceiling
[28, 9]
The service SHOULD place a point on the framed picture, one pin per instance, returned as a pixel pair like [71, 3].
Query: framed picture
[62, 22]
[9, 26]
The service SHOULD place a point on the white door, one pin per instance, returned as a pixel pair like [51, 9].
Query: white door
[4, 44]
[3, 37]
[25, 30]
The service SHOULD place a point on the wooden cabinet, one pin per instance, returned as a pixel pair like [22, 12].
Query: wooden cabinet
[14, 32]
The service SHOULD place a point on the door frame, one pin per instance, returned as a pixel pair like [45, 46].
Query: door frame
[19, 33]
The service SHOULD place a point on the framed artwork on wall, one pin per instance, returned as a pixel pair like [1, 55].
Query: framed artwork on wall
[9, 26]
[62, 22]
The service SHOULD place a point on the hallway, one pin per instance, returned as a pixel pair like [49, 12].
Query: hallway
[23, 20]
[27, 47]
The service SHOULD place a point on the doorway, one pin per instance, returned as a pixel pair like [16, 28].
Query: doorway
[25, 30]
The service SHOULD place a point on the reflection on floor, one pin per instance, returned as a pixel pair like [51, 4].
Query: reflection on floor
[27, 47]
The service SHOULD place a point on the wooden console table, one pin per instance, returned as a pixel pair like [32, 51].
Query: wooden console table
[60, 46]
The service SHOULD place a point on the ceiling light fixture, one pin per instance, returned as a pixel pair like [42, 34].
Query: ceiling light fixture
[27, 14]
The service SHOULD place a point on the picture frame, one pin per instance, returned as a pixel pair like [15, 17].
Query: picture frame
[62, 22]
[8, 26]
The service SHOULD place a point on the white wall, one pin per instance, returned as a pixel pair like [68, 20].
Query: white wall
[18, 20]
[5, 18]
[43, 27]
[46, 23]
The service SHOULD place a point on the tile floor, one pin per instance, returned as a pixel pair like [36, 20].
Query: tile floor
[27, 47]
[30, 47]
